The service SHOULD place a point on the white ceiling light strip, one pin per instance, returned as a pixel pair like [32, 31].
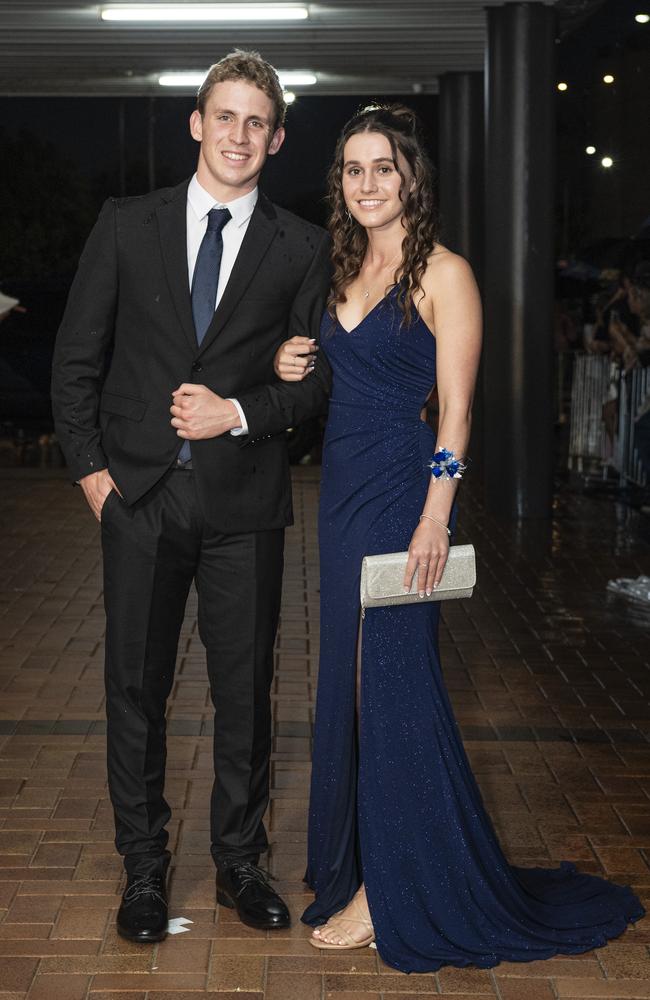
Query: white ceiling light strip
[203, 12]
[193, 79]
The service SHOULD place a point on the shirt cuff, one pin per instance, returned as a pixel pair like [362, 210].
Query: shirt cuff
[236, 431]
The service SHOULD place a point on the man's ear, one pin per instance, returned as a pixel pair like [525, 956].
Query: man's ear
[276, 141]
[196, 125]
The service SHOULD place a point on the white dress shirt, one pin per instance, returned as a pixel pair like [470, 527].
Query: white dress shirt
[199, 203]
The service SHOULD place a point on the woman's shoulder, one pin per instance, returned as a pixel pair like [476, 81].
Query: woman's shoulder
[443, 261]
[445, 271]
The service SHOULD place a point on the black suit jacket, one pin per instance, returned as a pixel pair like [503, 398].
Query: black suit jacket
[127, 340]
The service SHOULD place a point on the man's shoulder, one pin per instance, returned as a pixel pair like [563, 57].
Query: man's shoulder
[149, 202]
[296, 224]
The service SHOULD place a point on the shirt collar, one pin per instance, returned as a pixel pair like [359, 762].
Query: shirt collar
[202, 202]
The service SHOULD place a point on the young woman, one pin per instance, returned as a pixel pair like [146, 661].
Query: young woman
[401, 849]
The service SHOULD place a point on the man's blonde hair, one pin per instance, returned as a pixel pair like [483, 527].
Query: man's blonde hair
[248, 66]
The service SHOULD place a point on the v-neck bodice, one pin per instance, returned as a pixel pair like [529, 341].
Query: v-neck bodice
[383, 363]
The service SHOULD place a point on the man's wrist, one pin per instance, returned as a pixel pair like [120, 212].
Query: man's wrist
[240, 425]
[87, 475]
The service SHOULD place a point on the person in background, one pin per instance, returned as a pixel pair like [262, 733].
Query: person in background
[596, 338]
[631, 336]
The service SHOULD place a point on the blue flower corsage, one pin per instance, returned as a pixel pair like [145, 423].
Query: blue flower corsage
[444, 465]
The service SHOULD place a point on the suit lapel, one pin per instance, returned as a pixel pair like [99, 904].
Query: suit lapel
[172, 227]
[259, 236]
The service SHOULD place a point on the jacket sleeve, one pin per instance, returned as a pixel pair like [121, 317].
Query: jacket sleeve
[84, 337]
[271, 409]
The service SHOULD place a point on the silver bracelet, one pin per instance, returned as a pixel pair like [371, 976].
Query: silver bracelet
[441, 523]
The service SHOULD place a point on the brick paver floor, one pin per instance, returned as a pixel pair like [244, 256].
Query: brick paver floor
[549, 679]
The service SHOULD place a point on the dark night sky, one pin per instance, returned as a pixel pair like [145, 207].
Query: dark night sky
[85, 131]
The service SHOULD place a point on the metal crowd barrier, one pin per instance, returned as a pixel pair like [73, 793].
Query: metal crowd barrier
[604, 404]
[590, 390]
[634, 390]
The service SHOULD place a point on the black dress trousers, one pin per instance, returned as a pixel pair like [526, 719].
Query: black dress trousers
[152, 552]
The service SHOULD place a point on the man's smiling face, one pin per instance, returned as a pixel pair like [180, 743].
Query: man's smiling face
[237, 132]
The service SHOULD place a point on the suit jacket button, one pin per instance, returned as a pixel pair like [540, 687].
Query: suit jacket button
[197, 367]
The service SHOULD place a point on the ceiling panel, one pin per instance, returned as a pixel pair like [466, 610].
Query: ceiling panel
[355, 46]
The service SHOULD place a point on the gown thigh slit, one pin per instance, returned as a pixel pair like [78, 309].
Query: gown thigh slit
[396, 805]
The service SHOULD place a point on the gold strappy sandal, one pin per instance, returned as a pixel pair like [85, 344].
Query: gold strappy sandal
[349, 942]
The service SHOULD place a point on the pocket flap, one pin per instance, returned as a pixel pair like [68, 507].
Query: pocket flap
[123, 406]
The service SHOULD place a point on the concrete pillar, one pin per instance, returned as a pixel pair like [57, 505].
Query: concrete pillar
[461, 187]
[519, 251]
[461, 170]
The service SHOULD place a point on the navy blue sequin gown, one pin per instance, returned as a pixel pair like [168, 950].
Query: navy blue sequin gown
[398, 807]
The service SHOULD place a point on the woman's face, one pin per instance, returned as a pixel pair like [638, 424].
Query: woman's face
[371, 182]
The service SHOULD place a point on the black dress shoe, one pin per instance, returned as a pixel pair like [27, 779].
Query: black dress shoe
[143, 913]
[244, 887]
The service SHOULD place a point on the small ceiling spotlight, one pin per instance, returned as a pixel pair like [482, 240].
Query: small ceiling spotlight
[642, 18]
[608, 78]
[590, 150]
[607, 162]
[563, 86]
[289, 96]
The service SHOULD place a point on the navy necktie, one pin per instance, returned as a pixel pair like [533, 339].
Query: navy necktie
[205, 282]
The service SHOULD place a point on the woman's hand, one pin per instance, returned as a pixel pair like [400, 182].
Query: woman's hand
[295, 359]
[428, 554]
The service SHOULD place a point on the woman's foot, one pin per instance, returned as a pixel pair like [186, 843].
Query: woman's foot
[351, 928]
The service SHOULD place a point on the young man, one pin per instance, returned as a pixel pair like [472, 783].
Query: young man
[172, 421]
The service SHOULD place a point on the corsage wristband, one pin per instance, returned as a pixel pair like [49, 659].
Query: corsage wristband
[445, 465]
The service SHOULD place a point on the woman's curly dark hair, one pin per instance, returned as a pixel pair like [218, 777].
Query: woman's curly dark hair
[401, 127]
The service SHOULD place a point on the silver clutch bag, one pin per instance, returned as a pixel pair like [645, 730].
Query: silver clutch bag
[382, 578]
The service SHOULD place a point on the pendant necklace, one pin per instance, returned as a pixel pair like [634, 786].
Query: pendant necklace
[366, 291]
